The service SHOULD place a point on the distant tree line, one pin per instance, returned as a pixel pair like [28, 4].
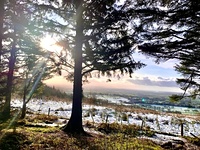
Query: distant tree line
[52, 92]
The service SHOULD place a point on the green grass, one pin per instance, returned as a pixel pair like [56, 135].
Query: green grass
[130, 130]
[26, 137]
[27, 134]
[122, 142]
[41, 118]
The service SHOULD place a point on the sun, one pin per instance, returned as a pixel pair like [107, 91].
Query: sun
[49, 44]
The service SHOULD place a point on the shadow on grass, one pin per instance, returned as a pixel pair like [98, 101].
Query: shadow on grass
[12, 141]
[4, 118]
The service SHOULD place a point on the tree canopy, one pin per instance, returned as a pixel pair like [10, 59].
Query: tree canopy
[97, 36]
[170, 30]
[20, 41]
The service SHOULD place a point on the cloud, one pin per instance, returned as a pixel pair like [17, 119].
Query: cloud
[164, 79]
[161, 82]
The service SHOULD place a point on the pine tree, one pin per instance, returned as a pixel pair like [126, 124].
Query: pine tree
[19, 40]
[102, 42]
[11, 60]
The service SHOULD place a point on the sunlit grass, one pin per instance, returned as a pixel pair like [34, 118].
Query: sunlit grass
[128, 130]
[44, 138]
[28, 135]
[42, 129]
[121, 142]
[9, 123]
[42, 118]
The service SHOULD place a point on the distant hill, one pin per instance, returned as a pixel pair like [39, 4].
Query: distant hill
[52, 92]
[129, 92]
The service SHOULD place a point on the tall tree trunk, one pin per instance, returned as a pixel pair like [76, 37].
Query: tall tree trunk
[75, 123]
[9, 86]
[2, 2]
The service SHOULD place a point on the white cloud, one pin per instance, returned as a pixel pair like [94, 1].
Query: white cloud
[162, 82]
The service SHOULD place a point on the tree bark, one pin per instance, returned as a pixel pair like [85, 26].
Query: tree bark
[74, 125]
[2, 2]
[23, 115]
[10, 75]
[6, 109]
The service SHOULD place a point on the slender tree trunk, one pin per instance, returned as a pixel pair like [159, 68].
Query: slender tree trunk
[11, 65]
[23, 115]
[2, 2]
[75, 123]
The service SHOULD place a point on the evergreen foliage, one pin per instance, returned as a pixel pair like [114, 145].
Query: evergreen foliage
[170, 30]
[20, 44]
[100, 41]
[51, 92]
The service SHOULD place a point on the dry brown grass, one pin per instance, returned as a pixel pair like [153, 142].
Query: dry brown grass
[194, 117]
[135, 110]
[41, 118]
[34, 139]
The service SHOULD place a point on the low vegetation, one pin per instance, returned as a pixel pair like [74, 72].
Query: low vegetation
[44, 137]
[34, 133]
[128, 130]
[28, 134]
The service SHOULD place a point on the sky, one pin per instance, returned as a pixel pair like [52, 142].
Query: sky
[154, 77]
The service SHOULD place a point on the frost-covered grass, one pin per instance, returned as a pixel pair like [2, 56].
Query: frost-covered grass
[112, 126]
[160, 122]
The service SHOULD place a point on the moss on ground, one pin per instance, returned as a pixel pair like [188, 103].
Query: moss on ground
[34, 137]
[25, 139]
[130, 130]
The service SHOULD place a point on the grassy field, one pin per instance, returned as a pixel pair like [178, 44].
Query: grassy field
[35, 133]
[27, 135]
